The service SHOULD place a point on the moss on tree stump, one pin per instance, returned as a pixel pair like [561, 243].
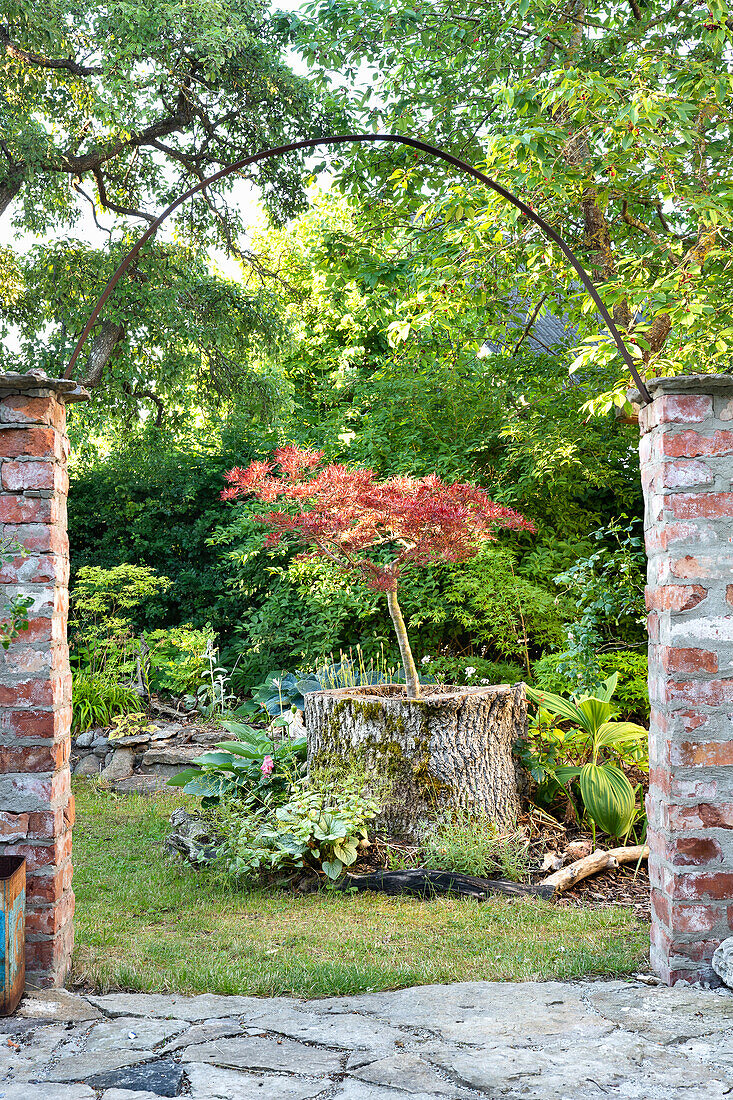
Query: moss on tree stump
[444, 751]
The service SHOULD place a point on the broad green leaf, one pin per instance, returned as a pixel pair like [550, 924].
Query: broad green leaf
[611, 734]
[555, 704]
[608, 798]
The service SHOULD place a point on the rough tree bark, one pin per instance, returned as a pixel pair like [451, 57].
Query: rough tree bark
[448, 750]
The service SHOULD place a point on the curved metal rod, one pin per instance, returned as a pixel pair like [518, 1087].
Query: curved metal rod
[342, 139]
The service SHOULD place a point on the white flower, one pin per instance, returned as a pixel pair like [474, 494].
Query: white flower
[486, 681]
[426, 660]
[469, 671]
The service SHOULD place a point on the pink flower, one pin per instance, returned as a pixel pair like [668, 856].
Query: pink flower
[267, 766]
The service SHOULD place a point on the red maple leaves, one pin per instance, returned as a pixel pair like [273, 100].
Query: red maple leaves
[376, 528]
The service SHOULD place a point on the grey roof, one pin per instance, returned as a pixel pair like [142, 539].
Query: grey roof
[548, 332]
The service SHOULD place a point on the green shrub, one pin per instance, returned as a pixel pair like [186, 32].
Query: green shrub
[310, 608]
[178, 658]
[472, 845]
[632, 694]
[96, 700]
[473, 671]
[104, 602]
[321, 826]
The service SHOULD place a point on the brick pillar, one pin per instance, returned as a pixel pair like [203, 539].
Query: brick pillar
[36, 805]
[686, 454]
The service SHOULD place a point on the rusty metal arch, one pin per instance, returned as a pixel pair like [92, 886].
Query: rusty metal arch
[342, 139]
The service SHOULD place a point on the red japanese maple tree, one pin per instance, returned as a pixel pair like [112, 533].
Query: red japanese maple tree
[347, 514]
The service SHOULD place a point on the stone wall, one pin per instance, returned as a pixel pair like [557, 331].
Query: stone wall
[686, 453]
[36, 806]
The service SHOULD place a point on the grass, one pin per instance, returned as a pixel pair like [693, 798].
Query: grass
[144, 922]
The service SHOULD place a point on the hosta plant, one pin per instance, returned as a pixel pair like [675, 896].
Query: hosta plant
[282, 691]
[321, 826]
[249, 768]
[590, 742]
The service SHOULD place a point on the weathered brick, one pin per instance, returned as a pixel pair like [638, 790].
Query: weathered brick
[13, 827]
[687, 851]
[693, 444]
[40, 474]
[22, 409]
[712, 885]
[21, 509]
[34, 442]
[697, 754]
[700, 505]
[675, 597]
[36, 808]
[49, 919]
[685, 474]
[688, 660]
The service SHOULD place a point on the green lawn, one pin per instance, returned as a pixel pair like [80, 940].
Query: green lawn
[146, 923]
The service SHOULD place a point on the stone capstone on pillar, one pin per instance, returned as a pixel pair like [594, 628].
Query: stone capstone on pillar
[36, 805]
[686, 453]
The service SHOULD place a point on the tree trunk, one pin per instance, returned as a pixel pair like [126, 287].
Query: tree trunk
[9, 188]
[448, 750]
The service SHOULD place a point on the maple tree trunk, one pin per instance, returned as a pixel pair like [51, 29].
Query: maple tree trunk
[449, 750]
[408, 662]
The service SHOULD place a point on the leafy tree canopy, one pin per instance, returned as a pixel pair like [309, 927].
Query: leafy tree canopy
[117, 108]
[612, 119]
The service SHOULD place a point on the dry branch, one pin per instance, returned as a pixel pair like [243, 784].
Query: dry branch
[590, 865]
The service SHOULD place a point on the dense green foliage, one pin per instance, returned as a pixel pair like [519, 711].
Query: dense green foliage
[109, 111]
[612, 119]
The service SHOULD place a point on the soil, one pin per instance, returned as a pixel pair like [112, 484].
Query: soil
[624, 886]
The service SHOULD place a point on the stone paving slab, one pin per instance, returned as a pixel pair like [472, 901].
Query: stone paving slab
[469, 1041]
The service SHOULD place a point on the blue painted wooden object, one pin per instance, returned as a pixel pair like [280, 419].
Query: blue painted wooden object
[12, 932]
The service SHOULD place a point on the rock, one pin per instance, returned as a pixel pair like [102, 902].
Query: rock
[84, 740]
[211, 1083]
[180, 755]
[662, 1014]
[132, 1033]
[21, 1090]
[345, 1030]
[192, 837]
[88, 765]
[164, 733]
[360, 1090]
[126, 1094]
[204, 1033]
[80, 1066]
[142, 784]
[57, 1004]
[723, 961]
[130, 740]
[101, 741]
[162, 1078]
[552, 862]
[410, 1073]
[265, 1054]
[120, 766]
[210, 737]
[207, 1006]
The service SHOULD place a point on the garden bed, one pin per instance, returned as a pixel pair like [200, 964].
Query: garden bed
[148, 923]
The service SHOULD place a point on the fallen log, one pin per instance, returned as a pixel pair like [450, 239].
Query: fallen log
[592, 864]
[427, 884]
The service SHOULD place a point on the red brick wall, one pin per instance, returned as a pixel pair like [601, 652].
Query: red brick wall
[686, 453]
[36, 804]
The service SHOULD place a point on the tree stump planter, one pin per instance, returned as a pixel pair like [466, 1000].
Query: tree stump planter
[448, 750]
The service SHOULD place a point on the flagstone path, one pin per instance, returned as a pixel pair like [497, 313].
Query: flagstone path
[520, 1041]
